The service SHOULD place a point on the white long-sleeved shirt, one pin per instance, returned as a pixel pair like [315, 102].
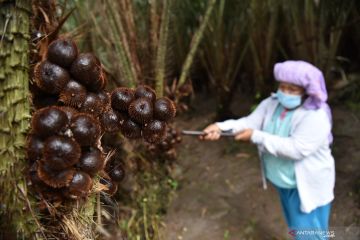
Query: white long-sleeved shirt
[307, 146]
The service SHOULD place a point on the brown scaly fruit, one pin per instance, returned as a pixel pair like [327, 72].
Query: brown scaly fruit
[79, 186]
[69, 111]
[49, 121]
[111, 120]
[164, 109]
[104, 97]
[112, 186]
[73, 94]
[33, 179]
[130, 129]
[50, 77]
[92, 104]
[34, 148]
[88, 71]
[55, 179]
[141, 110]
[117, 173]
[92, 161]
[86, 129]
[144, 91]
[154, 131]
[121, 98]
[62, 52]
[41, 99]
[61, 152]
[166, 149]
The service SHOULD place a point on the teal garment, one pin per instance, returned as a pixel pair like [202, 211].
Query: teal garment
[280, 171]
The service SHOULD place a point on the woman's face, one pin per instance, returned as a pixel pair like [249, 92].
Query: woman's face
[292, 89]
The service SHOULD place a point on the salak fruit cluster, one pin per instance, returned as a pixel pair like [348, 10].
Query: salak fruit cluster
[143, 114]
[166, 149]
[64, 145]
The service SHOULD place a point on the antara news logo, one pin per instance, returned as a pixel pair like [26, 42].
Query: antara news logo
[292, 233]
[302, 234]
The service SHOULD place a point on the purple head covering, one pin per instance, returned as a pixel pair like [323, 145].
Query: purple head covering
[309, 77]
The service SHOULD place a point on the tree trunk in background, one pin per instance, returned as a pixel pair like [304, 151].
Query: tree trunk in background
[224, 100]
[15, 210]
[223, 109]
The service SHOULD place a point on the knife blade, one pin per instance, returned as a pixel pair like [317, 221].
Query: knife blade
[201, 133]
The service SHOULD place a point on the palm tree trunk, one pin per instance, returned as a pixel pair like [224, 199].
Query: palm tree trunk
[14, 117]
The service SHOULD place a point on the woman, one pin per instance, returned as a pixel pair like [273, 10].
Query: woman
[292, 130]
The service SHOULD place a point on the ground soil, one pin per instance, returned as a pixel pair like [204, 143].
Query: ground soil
[220, 194]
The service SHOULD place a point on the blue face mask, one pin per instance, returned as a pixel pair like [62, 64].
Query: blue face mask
[289, 101]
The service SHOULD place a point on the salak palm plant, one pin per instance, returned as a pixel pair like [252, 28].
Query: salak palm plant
[139, 40]
[314, 30]
[223, 50]
[264, 43]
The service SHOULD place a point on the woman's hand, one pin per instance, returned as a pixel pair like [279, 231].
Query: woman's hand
[244, 135]
[212, 133]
